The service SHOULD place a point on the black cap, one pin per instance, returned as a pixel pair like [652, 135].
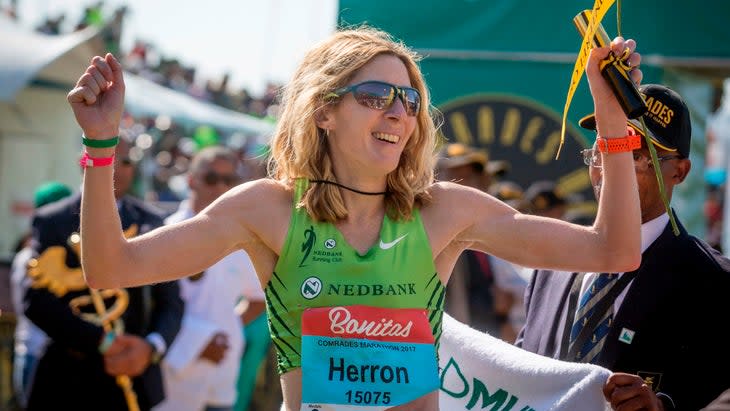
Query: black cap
[667, 119]
[543, 195]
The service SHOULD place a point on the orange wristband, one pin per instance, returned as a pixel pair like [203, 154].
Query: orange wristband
[618, 145]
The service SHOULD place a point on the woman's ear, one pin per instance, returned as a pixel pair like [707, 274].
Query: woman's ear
[324, 118]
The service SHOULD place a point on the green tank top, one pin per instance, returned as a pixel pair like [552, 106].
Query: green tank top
[317, 268]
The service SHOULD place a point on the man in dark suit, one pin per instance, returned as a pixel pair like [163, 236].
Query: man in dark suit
[80, 366]
[655, 328]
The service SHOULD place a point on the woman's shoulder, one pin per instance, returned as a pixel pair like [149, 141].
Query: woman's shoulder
[266, 189]
[457, 205]
[257, 198]
[445, 198]
[444, 192]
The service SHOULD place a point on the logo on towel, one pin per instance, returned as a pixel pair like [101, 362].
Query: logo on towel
[455, 383]
[311, 287]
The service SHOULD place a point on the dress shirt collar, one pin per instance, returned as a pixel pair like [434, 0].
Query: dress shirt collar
[651, 230]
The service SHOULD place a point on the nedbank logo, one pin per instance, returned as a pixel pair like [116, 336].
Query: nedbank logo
[311, 287]
[455, 384]
[310, 237]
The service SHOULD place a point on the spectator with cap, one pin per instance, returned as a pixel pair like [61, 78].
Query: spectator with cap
[509, 192]
[479, 291]
[653, 327]
[30, 341]
[542, 198]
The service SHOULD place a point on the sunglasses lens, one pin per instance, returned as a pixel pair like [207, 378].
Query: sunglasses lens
[210, 179]
[378, 96]
[412, 101]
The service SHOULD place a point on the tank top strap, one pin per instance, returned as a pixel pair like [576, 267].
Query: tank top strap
[300, 187]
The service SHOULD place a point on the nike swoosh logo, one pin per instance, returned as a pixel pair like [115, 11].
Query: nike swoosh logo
[385, 246]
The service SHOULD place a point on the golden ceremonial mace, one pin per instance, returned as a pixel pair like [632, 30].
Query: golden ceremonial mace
[123, 381]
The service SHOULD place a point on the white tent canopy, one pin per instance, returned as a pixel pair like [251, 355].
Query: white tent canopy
[147, 98]
[26, 55]
[38, 134]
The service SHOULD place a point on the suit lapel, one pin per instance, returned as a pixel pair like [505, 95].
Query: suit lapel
[652, 283]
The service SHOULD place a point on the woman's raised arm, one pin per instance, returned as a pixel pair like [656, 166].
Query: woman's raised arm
[108, 258]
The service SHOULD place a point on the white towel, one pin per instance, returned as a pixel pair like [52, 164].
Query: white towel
[479, 371]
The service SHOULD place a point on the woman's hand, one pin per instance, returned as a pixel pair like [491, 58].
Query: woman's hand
[98, 98]
[605, 102]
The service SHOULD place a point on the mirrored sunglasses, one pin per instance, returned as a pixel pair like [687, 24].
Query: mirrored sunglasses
[381, 96]
[212, 178]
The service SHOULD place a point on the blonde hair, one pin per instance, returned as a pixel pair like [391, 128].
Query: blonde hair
[299, 148]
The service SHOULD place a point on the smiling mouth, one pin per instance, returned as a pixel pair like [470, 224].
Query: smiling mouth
[389, 138]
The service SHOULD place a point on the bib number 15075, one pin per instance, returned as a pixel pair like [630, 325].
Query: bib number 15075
[368, 397]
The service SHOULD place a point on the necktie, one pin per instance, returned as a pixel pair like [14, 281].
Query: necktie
[591, 347]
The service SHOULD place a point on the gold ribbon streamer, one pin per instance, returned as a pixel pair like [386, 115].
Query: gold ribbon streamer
[659, 177]
[600, 7]
[105, 318]
[599, 10]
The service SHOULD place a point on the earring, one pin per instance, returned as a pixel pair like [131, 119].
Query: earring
[327, 132]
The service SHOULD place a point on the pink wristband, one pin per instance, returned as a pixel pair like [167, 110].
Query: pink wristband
[87, 161]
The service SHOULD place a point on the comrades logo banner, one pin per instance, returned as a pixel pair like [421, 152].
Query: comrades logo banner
[526, 134]
[341, 322]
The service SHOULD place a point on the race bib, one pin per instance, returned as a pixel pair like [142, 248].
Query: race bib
[366, 358]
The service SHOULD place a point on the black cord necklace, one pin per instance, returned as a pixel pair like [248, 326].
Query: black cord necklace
[367, 193]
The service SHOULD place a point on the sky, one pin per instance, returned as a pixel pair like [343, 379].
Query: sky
[255, 40]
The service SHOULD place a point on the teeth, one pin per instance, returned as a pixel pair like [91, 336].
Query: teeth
[391, 138]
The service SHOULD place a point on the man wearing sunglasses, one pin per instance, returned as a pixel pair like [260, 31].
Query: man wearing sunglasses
[202, 365]
[657, 333]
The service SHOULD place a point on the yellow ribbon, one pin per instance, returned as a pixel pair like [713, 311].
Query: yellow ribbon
[600, 7]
